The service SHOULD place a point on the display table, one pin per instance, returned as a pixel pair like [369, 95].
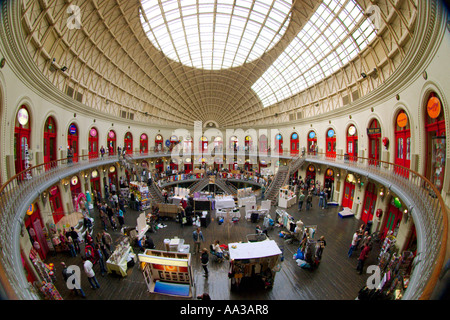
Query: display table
[224, 202]
[242, 202]
[176, 245]
[287, 202]
[118, 261]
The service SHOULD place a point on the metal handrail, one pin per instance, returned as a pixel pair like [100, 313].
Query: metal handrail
[429, 212]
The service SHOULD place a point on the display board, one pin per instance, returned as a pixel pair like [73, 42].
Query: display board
[167, 273]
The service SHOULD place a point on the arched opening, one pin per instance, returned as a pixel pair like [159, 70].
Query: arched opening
[352, 143]
[331, 143]
[22, 132]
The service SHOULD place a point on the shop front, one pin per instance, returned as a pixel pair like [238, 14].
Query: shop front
[370, 199]
[93, 143]
[402, 144]
[143, 143]
[331, 144]
[352, 143]
[50, 146]
[128, 143]
[312, 142]
[435, 142]
[310, 176]
[295, 145]
[374, 135]
[22, 142]
[35, 230]
[111, 142]
[159, 143]
[56, 204]
[349, 191]
[72, 140]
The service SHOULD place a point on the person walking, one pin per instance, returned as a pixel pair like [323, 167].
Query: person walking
[301, 198]
[362, 258]
[354, 243]
[76, 286]
[101, 262]
[90, 273]
[107, 240]
[76, 242]
[309, 201]
[204, 258]
[197, 235]
[321, 199]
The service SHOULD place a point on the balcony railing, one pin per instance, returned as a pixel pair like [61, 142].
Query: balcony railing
[418, 193]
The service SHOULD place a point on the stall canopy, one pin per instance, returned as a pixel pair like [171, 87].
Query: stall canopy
[253, 250]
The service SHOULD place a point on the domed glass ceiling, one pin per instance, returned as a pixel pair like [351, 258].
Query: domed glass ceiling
[215, 34]
[333, 36]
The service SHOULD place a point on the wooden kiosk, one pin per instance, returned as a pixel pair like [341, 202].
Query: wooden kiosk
[167, 273]
[254, 262]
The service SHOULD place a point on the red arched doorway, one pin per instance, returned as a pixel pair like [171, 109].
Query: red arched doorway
[143, 143]
[352, 143]
[188, 165]
[349, 191]
[22, 131]
[93, 143]
[279, 143]
[374, 135]
[72, 140]
[392, 219]
[111, 142]
[56, 204]
[173, 142]
[203, 144]
[50, 146]
[331, 143]
[295, 146]
[402, 143]
[263, 147]
[159, 143]
[159, 165]
[34, 226]
[312, 142]
[310, 176]
[95, 182]
[128, 143]
[370, 199]
[435, 141]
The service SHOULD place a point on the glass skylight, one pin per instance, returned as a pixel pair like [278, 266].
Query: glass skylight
[214, 34]
[333, 36]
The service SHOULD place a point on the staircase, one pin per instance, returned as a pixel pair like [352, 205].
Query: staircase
[199, 184]
[226, 187]
[282, 178]
[155, 193]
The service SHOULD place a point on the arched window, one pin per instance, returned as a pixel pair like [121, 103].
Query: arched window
[93, 143]
[312, 142]
[143, 143]
[111, 142]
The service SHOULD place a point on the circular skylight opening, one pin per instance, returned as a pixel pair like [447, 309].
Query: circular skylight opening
[215, 34]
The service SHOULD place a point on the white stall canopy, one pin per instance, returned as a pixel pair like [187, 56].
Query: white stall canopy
[253, 250]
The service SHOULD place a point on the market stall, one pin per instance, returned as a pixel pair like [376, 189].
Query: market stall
[122, 256]
[286, 197]
[167, 273]
[141, 194]
[223, 202]
[254, 263]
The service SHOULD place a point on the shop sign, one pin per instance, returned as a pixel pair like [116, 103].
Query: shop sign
[74, 180]
[111, 134]
[158, 137]
[30, 210]
[434, 107]
[54, 190]
[22, 116]
[331, 133]
[373, 130]
[143, 136]
[402, 120]
[93, 132]
[294, 136]
[352, 130]
[330, 173]
[73, 129]
[312, 134]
